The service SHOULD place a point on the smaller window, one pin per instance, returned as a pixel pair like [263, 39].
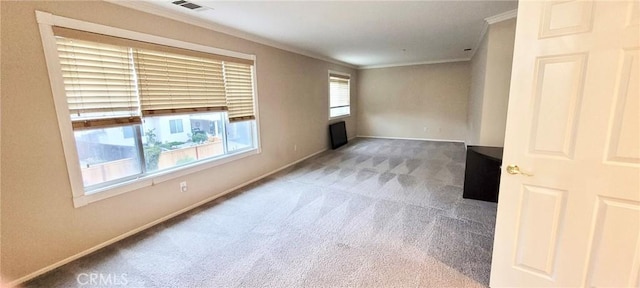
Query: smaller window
[339, 95]
[175, 125]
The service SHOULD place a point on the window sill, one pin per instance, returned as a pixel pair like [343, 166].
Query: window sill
[340, 117]
[151, 180]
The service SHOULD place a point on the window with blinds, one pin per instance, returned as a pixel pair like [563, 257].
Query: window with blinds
[239, 88]
[339, 95]
[99, 82]
[140, 108]
[113, 81]
[173, 83]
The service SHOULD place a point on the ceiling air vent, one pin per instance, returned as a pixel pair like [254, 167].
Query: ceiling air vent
[190, 5]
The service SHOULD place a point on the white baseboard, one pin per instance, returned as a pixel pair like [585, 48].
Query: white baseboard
[149, 225]
[404, 138]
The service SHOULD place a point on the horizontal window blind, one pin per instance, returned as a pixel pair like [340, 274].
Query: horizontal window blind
[339, 95]
[114, 81]
[172, 83]
[122, 42]
[99, 83]
[239, 91]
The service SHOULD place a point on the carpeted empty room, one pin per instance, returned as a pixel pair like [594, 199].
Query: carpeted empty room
[374, 213]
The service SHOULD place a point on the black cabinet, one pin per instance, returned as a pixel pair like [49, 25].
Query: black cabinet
[482, 173]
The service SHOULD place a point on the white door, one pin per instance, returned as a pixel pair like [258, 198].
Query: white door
[574, 124]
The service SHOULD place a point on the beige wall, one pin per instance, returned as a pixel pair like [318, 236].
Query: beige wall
[490, 78]
[420, 101]
[39, 224]
[476, 93]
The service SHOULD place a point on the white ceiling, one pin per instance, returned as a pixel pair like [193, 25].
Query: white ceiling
[361, 33]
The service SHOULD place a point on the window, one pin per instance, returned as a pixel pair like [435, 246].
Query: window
[138, 112]
[105, 157]
[339, 95]
[175, 125]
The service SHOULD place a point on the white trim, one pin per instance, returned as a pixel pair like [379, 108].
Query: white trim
[485, 28]
[151, 224]
[256, 106]
[155, 10]
[405, 138]
[414, 63]
[45, 20]
[492, 20]
[111, 191]
[197, 167]
[502, 16]
[341, 116]
[155, 179]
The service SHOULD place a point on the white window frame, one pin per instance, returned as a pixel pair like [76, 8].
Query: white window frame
[329, 94]
[45, 22]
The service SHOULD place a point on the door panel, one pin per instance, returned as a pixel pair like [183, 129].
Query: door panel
[566, 18]
[539, 230]
[624, 142]
[615, 239]
[556, 112]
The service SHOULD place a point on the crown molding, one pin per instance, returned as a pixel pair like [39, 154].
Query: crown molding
[414, 63]
[146, 7]
[485, 28]
[492, 20]
[502, 17]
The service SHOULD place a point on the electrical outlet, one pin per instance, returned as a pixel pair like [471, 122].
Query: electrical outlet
[424, 129]
[183, 186]
[295, 147]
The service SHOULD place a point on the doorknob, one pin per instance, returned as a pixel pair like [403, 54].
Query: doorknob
[514, 170]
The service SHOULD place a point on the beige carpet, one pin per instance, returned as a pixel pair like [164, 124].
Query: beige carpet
[375, 213]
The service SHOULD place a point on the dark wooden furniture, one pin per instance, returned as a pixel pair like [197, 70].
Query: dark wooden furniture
[338, 134]
[482, 173]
